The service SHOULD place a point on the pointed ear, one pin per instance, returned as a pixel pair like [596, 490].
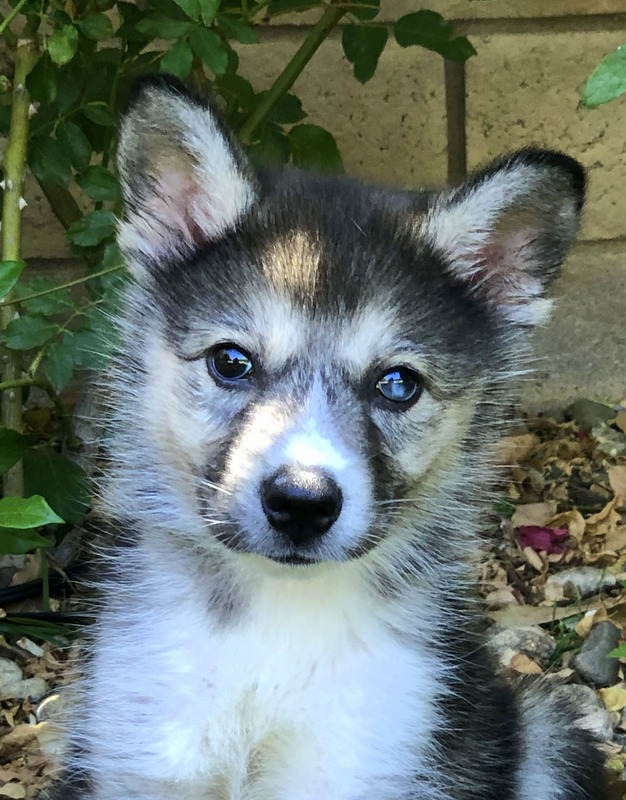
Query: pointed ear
[505, 232]
[185, 180]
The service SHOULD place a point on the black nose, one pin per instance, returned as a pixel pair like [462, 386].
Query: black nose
[301, 503]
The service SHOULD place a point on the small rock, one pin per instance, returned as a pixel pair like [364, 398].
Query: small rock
[608, 440]
[587, 414]
[593, 663]
[593, 715]
[530, 640]
[13, 686]
[580, 582]
[556, 413]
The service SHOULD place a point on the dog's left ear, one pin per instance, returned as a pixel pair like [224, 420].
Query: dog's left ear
[185, 179]
[504, 233]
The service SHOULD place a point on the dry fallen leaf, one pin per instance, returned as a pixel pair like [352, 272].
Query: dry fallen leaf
[525, 665]
[573, 520]
[514, 449]
[614, 698]
[617, 478]
[533, 514]
[16, 791]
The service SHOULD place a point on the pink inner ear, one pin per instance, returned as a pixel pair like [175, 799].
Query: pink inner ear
[503, 268]
[174, 204]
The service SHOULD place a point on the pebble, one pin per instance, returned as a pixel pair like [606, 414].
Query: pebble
[528, 639]
[593, 663]
[14, 686]
[587, 413]
[609, 441]
[581, 581]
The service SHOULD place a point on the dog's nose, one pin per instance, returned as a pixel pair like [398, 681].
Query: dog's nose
[301, 503]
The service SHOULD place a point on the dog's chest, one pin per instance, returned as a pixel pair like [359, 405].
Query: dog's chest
[300, 699]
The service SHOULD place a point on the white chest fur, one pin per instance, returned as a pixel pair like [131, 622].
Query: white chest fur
[306, 694]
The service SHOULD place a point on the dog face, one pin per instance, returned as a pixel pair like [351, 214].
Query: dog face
[312, 366]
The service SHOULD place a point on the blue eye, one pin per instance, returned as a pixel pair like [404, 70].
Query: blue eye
[399, 384]
[228, 364]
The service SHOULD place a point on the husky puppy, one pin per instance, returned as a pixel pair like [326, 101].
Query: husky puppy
[311, 377]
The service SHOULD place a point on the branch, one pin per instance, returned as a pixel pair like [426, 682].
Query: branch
[61, 286]
[14, 168]
[62, 203]
[289, 75]
[4, 25]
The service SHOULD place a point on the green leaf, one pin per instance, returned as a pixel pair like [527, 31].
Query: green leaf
[619, 652]
[271, 150]
[190, 7]
[71, 86]
[208, 10]
[25, 333]
[62, 44]
[99, 184]
[98, 111]
[26, 512]
[237, 92]
[10, 272]
[178, 60]
[54, 303]
[313, 147]
[59, 365]
[287, 111]
[88, 348]
[607, 81]
[96, 27]
[13, 445]
[74, 142]
[63, 483]
[364, 9]
[430, 30]
[41, 81]
[208, 46]
[5, 120]
[363, 46]
[17, 542]
[92, 229]
[237, 29]
[38, 629]
[49, 162]
[162, 27]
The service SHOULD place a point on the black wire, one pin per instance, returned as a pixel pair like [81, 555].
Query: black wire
[23, 591]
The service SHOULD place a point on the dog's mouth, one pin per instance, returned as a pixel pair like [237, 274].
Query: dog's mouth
[293, 560]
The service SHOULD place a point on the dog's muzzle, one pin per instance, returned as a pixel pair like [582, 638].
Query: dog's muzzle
[301, 503]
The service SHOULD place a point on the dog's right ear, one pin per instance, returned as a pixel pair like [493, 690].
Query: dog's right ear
[185, 179]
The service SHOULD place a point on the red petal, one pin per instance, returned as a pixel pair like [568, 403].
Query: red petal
[549, 540]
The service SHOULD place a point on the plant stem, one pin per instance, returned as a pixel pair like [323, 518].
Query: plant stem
[44, 574]
[10, 17]
[65, 418]
[63, 205]
[14, 168]
[68, 285]
[289, 75]
[16, 383]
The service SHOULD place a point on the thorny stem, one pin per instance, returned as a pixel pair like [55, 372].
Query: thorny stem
[289, 75]
[14, 167]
